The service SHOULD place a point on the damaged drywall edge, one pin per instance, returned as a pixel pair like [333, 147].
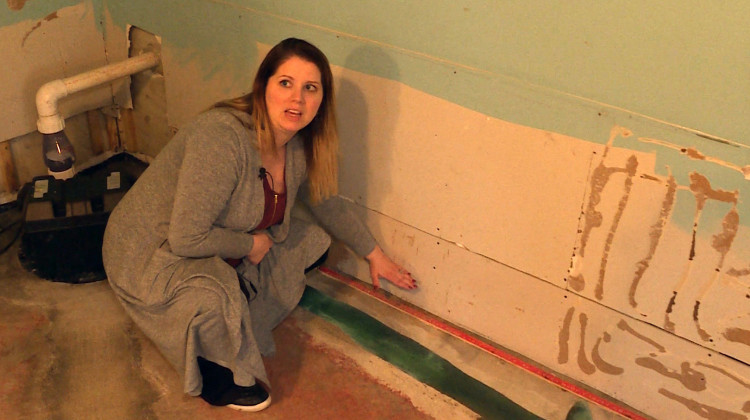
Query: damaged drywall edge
[695, 154]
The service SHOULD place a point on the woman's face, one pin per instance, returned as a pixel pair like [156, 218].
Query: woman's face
[293, 96]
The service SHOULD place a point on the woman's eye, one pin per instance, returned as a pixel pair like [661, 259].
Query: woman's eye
[311, 87]
[285, 83]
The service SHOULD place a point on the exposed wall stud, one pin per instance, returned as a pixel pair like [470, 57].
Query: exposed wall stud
[96, 132]
[127, 130]
[112, 134]
[10, 179]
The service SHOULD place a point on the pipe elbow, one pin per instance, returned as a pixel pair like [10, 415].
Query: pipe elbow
[50, 120]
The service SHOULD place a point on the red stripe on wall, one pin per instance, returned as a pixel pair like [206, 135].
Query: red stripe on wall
[441, 325]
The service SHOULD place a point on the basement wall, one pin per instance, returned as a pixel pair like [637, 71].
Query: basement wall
[45, 41]
[569, 182]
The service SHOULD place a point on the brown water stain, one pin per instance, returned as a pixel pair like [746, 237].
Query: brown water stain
[737, 335]
[688, 377]
[564, 336]
[591, 216]
[693, 153]
[700, 185]
[16, 4]
[704, 335]
[691, 256]
[627, 328]
[586, 366]
[725, 373]
[738, 272]
[657, 229]
[703, 410]
[702, 190]
[722, 242]
[668, 324]
[650, 177]
[47, 18]
[576, 282]
[630, 169]
[602, 364]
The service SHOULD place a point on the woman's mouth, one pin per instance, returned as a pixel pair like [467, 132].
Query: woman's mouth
[293, 113]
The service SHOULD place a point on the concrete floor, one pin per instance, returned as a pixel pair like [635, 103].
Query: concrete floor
[69, 352]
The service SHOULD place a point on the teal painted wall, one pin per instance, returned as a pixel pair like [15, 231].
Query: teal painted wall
[685, 63]
[681, 62]
[571, 69]
[32, 10]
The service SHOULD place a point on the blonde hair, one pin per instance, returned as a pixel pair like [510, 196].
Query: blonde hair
[320, 137]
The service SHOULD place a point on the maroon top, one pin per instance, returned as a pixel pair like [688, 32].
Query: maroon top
[273, 213]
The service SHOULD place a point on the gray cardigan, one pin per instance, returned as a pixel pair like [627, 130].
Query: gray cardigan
[196, 205]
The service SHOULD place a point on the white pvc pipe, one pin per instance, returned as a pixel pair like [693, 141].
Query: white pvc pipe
[50, 121]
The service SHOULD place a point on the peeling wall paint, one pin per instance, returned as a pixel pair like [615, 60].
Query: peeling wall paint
[20, 10]
[16, 4]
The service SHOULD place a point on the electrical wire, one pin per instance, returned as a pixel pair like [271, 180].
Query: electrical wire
[22, 202]
[15, 237]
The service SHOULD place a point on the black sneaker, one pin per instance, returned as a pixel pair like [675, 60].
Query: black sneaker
[244, 398]
[219, 389]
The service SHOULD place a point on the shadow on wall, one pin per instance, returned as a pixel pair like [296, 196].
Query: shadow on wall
[367, 139]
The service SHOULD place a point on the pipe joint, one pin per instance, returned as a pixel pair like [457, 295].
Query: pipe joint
[50, 121]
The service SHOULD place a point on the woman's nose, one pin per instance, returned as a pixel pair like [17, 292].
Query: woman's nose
[298, 96]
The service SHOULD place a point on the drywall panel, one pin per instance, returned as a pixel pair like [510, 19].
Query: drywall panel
[61, 44]
[149, 97]
[600, 221]
[644, 366]
[610, 215]
[507, 192]
[635, 255]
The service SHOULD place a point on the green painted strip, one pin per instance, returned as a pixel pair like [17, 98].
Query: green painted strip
[413, 358]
